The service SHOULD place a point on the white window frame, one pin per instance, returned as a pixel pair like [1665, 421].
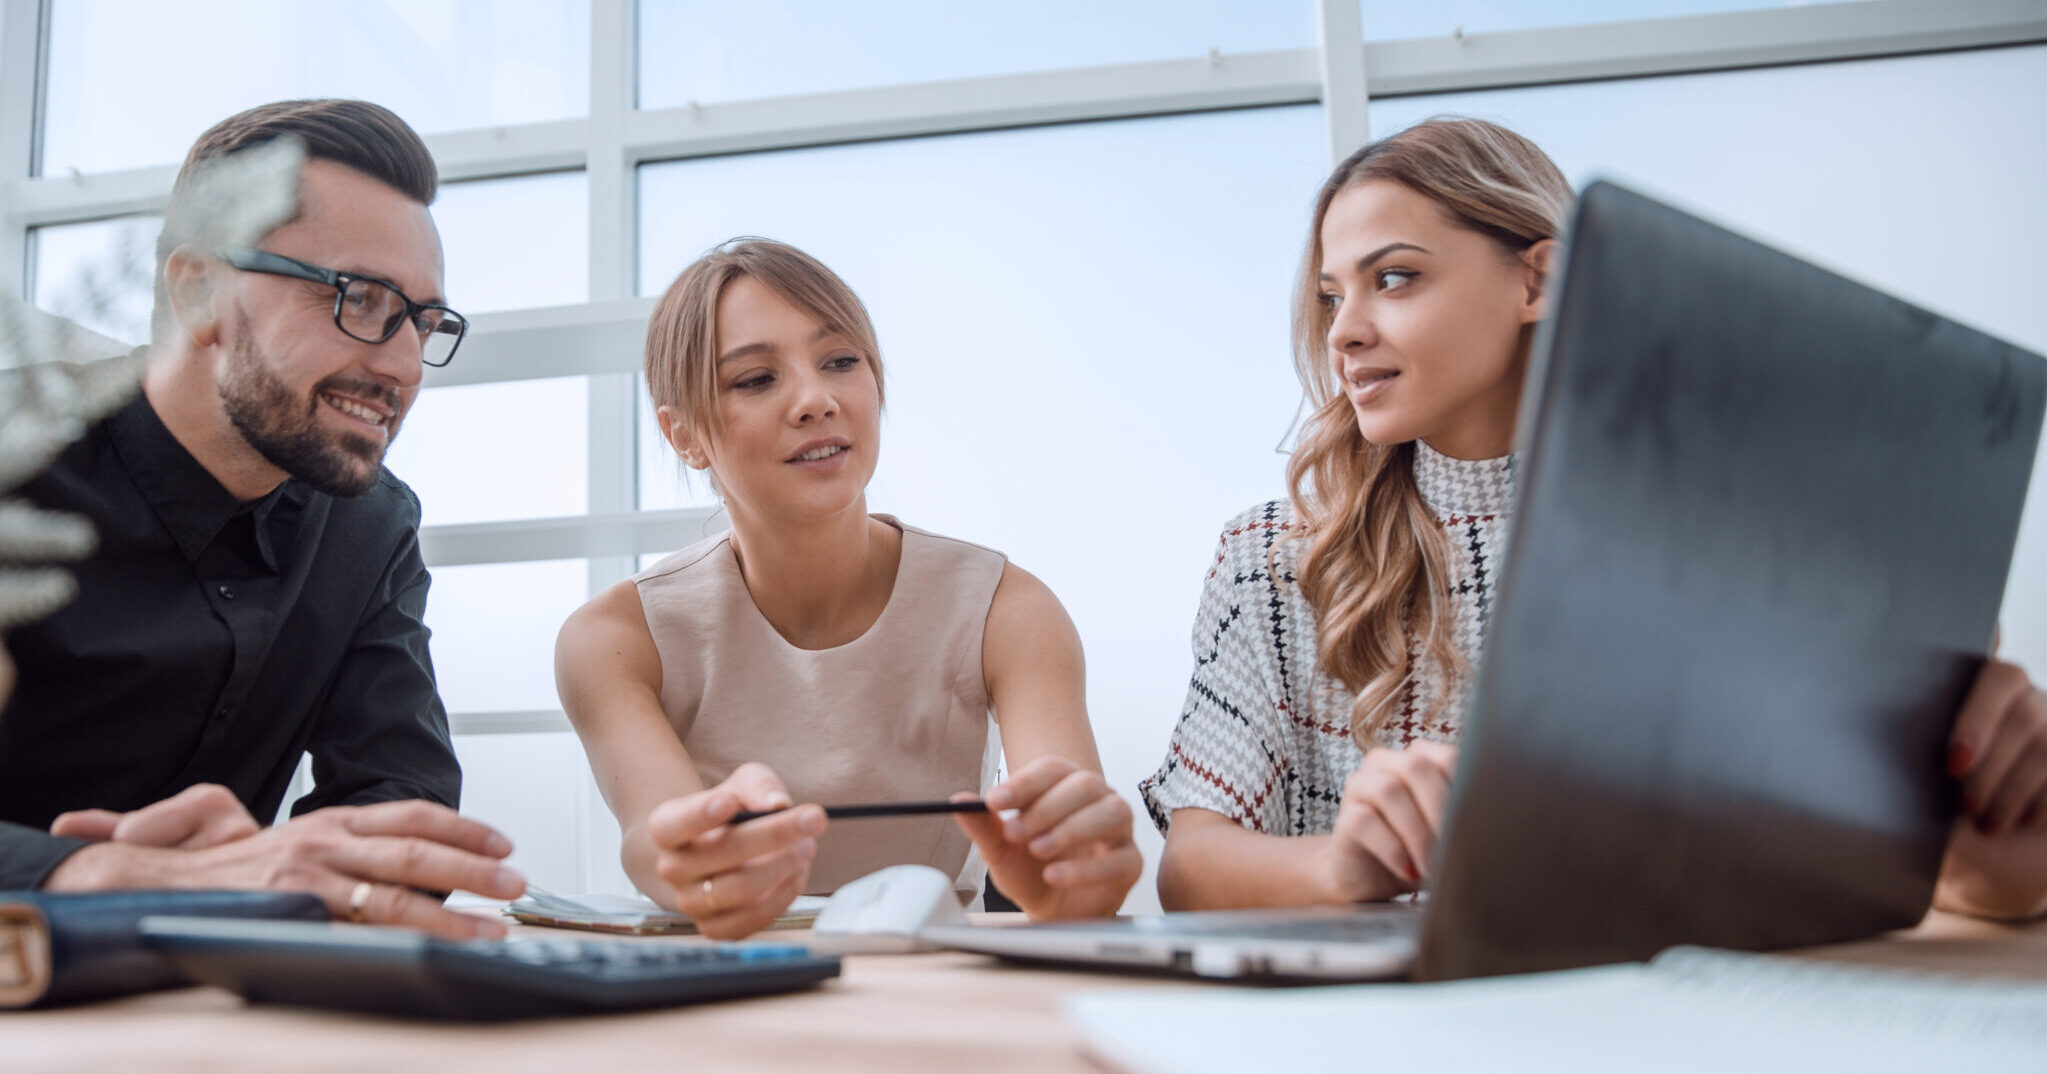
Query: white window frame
[601, 338]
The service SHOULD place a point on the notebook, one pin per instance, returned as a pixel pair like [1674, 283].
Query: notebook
[1688, 1011]
[633, 914]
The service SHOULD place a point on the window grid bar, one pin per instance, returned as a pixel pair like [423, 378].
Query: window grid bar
[1644, 48]
[1346, 92]
[621, 534]
[518, 722]
[553, 341]
[613, 460]
[1120, 91]
[613, 215]
[21, 53]
[1693, 44]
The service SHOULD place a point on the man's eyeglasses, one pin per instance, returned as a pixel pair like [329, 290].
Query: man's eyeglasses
[366, 308]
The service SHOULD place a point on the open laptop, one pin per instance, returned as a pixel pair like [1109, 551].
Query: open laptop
[1765, 516]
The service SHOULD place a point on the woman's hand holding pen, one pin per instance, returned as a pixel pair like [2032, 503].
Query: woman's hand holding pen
[1067, 851]
[734, 880]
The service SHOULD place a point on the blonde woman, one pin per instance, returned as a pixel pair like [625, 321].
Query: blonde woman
[819, 653]
[1339, 628]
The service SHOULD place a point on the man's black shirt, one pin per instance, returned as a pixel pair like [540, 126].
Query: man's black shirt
[214, 642]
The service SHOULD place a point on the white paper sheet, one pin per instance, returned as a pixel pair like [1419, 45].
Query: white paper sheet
[1691, 1011]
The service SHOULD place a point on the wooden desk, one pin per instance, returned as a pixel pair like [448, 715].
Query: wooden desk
[897, 1013]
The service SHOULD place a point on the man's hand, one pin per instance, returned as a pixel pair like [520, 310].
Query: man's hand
[1386, 823]
[735, 879]
[398, 849]
[1067, 852]
[200, 816]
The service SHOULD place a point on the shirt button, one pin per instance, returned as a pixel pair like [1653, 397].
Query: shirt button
[227, 593]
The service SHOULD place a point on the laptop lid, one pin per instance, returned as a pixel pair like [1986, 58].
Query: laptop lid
[1765, 517]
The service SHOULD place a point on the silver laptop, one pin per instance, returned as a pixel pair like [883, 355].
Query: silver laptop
[1336, 942]
[1765, 516]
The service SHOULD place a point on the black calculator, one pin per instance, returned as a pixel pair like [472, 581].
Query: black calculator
[409, 974]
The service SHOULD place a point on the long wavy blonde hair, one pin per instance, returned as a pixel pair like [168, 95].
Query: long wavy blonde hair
[1377, 569]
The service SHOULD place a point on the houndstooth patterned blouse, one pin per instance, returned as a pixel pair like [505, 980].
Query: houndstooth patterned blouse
[1264, 737]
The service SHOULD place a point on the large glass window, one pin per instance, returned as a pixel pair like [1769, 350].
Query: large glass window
[489, 452]
[1917, 174]
[494, 626]
[1085, 331]
[1391, 20]
[703, 50]
[98, 274]
[518, 449]
[516, 243]
[1085, 325]
[133, 84]
[535, 788]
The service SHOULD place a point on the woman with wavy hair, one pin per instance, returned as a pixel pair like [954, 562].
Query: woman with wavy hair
[1339, 628]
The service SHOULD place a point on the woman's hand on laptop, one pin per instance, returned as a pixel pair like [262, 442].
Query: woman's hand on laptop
[1995, 876]
[1067, 852]
[735, 879]
[1387, 822]
[1996, 864]
[1999, 750]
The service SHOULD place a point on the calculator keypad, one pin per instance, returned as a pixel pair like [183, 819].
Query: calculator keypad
[614, 959]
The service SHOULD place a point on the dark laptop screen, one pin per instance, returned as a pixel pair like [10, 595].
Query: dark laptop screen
[1764, 522]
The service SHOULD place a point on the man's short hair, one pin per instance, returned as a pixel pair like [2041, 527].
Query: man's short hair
[367, 137]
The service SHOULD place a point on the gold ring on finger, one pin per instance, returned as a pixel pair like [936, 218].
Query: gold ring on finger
[359, 901]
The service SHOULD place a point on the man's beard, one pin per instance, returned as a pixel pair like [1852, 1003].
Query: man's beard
[286, 430]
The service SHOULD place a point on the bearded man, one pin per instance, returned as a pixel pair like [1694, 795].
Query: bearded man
[258, 593]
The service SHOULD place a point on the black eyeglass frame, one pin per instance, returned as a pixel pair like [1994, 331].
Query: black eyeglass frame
[269, 264]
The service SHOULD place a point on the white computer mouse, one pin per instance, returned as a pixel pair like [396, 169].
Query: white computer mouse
[884, 911]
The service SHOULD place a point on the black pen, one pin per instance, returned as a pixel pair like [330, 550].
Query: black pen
[874, 809]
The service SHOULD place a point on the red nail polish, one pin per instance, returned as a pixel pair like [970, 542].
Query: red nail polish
[1959, 758]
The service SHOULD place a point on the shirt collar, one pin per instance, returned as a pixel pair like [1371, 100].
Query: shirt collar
[1463, 486]
[192, 504]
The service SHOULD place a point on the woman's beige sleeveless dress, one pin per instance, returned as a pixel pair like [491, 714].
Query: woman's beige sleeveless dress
[899, 713]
